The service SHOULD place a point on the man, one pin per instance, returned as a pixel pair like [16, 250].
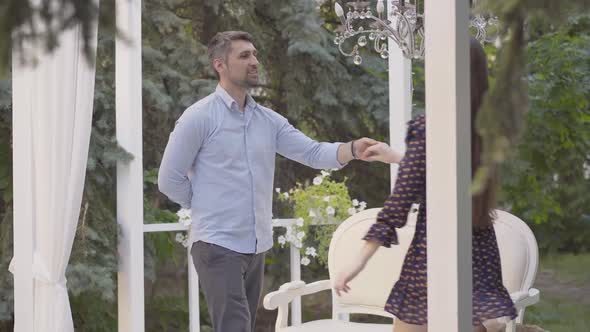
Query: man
[227, 143]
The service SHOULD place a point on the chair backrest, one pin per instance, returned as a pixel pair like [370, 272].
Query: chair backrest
[518, 252]
[370, 289]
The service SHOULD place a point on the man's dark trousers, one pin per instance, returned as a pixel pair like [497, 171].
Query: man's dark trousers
[232, 284]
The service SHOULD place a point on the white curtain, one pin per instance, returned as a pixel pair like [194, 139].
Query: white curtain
[57, 97]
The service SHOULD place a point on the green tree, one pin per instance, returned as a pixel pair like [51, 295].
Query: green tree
[546, 182]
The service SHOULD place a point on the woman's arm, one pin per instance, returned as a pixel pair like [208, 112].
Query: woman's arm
[368, 250]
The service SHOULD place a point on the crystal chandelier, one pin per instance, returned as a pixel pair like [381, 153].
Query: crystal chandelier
[406, 28]
[480, 25]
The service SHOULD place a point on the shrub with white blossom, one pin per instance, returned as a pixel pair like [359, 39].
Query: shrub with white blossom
[184, 217]
[322, 202]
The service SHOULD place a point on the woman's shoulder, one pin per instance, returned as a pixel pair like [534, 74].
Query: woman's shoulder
[417, 127]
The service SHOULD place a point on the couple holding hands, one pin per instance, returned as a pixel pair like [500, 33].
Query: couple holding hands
[219, 162]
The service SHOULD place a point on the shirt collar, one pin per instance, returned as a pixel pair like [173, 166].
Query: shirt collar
[229, 101]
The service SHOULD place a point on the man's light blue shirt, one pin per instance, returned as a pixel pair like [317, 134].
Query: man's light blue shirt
[220, 162]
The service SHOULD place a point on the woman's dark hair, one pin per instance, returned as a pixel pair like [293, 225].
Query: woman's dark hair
[482, 202]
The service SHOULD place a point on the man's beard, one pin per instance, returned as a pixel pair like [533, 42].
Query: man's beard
[252, 82]
[246, 82]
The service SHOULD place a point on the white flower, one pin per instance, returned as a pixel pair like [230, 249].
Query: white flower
[362, 205]
[355, 202]
[586, 167]
[185, 243]
[324, 173]
[289, 231]
[300, 235]
[310, 251]
[290, 238]
[317, 180]
[311, 213]
[278, 190]
[282, 240]
[183, 213]
[297, 244]
[299, 222]
[351, 211]
[186, 221]
[184, 216]
[305, 261]
[330, 211]
[286, 195]
[326, 199]
[179, 237]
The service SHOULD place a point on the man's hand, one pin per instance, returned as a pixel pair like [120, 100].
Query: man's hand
[361, 145]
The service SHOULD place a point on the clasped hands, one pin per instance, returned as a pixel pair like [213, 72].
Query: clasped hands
[368, 149]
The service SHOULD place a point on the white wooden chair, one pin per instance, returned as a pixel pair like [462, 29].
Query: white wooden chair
[369, 291]
[520, 259]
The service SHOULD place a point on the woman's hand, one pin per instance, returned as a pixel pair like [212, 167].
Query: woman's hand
[344, 277]
[381, 152]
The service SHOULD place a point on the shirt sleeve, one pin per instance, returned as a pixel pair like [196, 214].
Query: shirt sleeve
[410, 185]
[295, 145]
[183, 146]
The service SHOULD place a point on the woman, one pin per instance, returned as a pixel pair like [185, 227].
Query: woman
[492, 306]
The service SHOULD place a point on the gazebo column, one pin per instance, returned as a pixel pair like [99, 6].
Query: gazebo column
[448, 171]
[131, 311]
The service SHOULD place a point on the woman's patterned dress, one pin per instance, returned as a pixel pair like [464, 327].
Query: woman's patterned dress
[408, 298]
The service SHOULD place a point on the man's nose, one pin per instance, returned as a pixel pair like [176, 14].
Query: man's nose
[254, 61]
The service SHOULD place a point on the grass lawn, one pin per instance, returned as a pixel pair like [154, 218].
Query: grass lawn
[564, 281]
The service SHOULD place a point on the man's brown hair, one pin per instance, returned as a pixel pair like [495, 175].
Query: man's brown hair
[220, 45]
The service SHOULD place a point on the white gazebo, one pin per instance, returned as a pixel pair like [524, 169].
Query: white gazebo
[52, 123]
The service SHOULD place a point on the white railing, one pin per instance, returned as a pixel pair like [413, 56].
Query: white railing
[193, 278]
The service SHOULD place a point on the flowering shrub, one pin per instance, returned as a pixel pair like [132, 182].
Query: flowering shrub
[323, 202]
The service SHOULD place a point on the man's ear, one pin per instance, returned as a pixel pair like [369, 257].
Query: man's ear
[218, 65]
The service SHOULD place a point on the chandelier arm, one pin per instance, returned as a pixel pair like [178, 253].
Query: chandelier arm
[378, 45]
[352, 53]
[420, 54]
[387, 32]
[407, 38]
